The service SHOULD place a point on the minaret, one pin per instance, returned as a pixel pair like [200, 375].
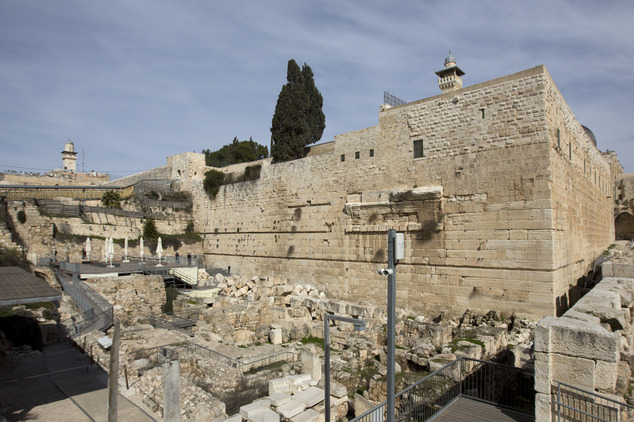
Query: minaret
[450, 78]
[69, 156]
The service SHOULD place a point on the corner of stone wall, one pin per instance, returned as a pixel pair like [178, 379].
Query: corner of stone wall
[589, 347]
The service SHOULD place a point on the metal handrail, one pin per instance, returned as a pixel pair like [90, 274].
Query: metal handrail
[438, 390]
[593, 406]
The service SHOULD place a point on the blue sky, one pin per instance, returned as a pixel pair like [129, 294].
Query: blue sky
[131, 82]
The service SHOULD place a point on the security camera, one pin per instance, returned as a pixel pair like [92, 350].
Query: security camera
[385, 271]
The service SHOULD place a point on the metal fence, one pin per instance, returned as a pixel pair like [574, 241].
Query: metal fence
[156, 356]
[489, 382]
[97, 312]
[574, 404]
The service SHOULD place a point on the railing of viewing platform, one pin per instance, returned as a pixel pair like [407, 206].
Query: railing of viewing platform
[493, 383]
[575, 404]
[97, 312]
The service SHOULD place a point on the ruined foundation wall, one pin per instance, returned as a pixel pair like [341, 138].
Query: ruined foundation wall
[476, 209]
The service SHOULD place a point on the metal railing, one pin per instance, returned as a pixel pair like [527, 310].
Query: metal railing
[97, 312]
[176, 351]
[489, 382]
[578, 405]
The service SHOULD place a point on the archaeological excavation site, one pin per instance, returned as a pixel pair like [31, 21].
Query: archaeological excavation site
[471, 254]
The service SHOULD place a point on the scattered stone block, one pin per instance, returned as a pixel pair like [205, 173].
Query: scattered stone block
[308, 415]
[263, 415]
[291, 408]
[310, 397]
[249, 410]
[279, 399]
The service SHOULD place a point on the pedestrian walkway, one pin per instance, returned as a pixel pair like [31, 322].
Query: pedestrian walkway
[86, 385]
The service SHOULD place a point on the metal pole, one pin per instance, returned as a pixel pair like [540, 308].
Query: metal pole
[327, 366]
[391, 324]
[113, 376]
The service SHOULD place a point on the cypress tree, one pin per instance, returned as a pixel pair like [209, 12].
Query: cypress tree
[298, 120]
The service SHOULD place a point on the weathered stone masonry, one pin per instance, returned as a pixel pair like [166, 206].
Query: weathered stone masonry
[507, 207]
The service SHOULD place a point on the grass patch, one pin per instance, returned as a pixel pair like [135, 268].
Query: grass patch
[313, 340]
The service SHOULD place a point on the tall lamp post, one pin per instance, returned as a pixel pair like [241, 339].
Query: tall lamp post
[395, 252]
[359, 325]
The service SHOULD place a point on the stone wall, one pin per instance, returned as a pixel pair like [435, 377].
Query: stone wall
[496, 214]
[589, 347]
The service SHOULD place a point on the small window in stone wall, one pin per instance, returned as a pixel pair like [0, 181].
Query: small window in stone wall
[482, 114]
[570, 150]
[357, 155]
[418, 148]
[558, 138]
[371, 152]
[343, 157]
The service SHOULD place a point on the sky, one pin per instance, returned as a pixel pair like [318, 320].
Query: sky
[132, 82]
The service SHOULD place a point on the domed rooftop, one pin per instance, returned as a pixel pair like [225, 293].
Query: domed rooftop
[590, 135]
[450, 59]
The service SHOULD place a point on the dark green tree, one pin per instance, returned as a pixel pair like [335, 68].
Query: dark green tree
[316, 118]
[298, 120]
[149, 229]
[236, 152]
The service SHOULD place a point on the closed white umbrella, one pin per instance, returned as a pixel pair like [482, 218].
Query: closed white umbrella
[159, 250]
[88, 249]
[110, 250]
[125, 250]
[141, 248]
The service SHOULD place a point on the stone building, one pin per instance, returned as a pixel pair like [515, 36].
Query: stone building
[69, 157]
[503, 197]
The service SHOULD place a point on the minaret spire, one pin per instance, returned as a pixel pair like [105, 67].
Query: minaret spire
[450, 78]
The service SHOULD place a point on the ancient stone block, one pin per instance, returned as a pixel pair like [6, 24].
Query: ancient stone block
[291, 408]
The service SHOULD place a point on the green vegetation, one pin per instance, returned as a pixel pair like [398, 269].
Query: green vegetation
[10, 257]
[214, 178]
[213, 181]
[313, 340]
[298, 120]
[149, 229]
[236, 152]
[22, 216]
[111, 199]
[270, 367]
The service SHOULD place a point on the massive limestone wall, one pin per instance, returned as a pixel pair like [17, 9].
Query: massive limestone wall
[486, 210]
[582, 197]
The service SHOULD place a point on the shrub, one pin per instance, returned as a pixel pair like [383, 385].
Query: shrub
[252, 172]
[149, 229]
[22, 216]
[213, 180]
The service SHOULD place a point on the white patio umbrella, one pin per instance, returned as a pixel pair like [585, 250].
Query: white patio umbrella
[159, 250]
[141, 249]
[88, 249]
[125, 250]
[110, 250]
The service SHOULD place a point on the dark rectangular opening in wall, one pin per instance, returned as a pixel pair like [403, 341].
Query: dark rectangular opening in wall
[570, 150]
[357, 155]
[371, 152]
[418, 148]
[343, 157]
[482, 114]
[558, 138]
